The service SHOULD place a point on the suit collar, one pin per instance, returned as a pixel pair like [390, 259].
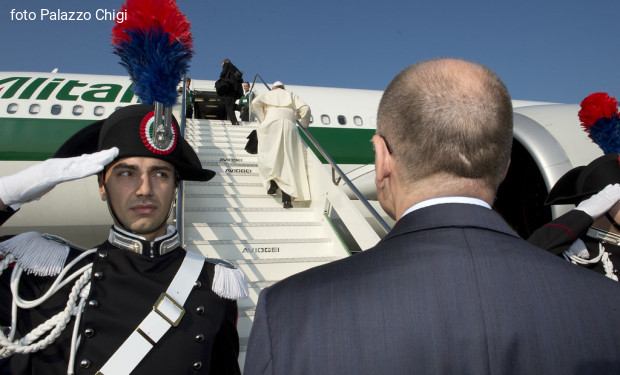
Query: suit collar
[451, 215]
[444, 200]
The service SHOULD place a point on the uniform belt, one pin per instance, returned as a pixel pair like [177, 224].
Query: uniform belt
[167, 312]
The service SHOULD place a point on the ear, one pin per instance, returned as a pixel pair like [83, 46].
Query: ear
[383, 161]
[506, 171]
[102, 192]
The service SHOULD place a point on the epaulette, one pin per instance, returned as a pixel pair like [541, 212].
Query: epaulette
[37, 254]
[229, 281]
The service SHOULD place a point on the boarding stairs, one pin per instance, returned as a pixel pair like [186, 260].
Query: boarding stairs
[232, 217]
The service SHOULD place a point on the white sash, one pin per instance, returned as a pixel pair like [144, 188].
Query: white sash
[167, 312]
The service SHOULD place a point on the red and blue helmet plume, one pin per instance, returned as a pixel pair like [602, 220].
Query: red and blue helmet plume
[600, 118]
[155, 46]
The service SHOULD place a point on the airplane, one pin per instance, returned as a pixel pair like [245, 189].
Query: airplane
[39, 111]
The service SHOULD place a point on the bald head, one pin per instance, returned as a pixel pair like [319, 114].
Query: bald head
[449, 118]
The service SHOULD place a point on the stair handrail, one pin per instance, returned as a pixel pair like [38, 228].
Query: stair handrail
[386, 228]
[180, 191]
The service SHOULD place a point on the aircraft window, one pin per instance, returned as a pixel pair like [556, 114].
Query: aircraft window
[325, 119]
[56, 108]
[99, 110]
[358, 121]
[12, 108]
[78, 110]
[342, 120]
[311, 119]
[34, 109]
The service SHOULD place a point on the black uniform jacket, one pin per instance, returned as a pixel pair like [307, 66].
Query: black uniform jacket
[558, 235]
[124, 287]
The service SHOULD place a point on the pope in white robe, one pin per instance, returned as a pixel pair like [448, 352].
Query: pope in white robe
[280, 148]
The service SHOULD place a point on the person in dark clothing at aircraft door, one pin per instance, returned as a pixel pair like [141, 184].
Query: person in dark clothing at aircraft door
[229, 88]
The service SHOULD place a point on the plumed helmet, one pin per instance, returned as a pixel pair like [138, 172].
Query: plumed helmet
[131, 129]
[582, 182]
[600, 120]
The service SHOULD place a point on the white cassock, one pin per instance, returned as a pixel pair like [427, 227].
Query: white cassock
[280, 148]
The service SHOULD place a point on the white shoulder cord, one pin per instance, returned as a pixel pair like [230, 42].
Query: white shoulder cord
[4, 263]
[608, 265]
[57, 323]
[574, 256]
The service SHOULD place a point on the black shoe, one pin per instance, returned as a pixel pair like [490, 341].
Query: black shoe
[286, 200]
[273, 188]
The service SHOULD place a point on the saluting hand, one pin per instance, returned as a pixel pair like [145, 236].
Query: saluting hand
[601, 202]
[33, 182]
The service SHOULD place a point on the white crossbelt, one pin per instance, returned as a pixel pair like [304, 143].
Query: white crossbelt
[167, 312]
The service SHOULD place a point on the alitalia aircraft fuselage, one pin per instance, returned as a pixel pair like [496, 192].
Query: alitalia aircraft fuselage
[39, 111]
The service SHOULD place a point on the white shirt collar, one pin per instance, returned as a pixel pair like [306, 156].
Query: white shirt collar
[444, 200]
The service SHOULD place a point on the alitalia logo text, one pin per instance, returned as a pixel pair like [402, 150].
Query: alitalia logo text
[63, 89]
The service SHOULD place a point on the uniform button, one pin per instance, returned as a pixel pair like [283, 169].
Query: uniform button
[197, 284]
[89, 332]
[197, 365]
[98, 275]
[200, 310]
[85, 363]
[200, 337]
[103, 254]
[93, 303]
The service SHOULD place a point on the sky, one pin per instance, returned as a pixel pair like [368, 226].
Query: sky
[544, 50]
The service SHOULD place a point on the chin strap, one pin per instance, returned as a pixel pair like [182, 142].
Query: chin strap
[612, 221]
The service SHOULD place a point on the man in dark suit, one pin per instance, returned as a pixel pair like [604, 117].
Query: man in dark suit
[451, 289]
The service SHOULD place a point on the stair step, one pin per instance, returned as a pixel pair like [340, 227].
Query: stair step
[201, 123]
[217, 137]
[224, 188]
[231, 215]
[227, 200]
[263, 249]
[233, 170]
[220, 130]
[244, 231]
[234, 160]
[219, 126]
[200, 148]
[280, 270]
[231, 164]
[261, 241]
[236, 175]
[258, 270]
[238, 151]
[210, 152]
[219, 143]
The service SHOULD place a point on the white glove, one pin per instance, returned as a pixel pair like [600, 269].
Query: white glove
[601, 202]
[33, 182]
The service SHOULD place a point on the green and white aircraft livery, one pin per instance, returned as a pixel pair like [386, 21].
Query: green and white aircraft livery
[39, 111]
